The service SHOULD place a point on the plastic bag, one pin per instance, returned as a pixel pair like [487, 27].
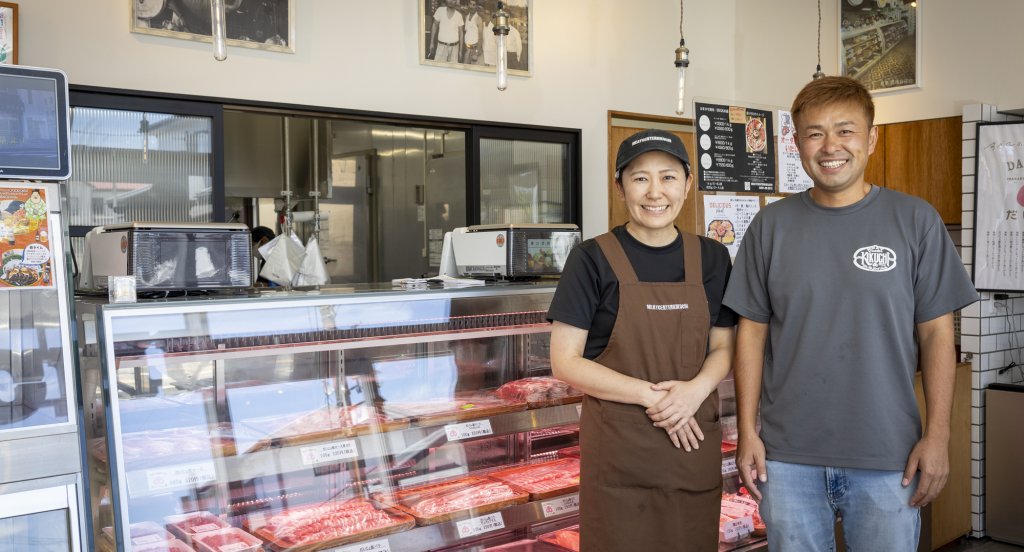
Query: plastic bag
[312, 270]
[284, 255]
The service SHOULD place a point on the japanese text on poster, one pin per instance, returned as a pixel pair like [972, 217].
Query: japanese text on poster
[735, 149]
[727, 218]
[999, 227]
[792, 178]
[25, 253]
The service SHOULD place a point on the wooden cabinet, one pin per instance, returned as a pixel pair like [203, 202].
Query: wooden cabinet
[921, 158]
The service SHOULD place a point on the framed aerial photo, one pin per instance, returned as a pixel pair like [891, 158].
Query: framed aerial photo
[262, 24]
[880, 43]
[459, 34]
[8, 33]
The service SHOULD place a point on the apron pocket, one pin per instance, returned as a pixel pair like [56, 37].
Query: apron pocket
[634, 453]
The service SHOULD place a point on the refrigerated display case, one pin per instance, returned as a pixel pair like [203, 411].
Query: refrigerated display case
[364, 419]
[40, 462]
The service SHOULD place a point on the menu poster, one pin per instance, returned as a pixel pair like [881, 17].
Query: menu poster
[792, 178]
[999, 208]
[735, 149]
[25, 254]
[727, 218]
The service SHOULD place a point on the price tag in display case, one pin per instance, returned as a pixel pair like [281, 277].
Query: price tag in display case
[468, 430]
[189, 475]
[480, 525]
[728, 465]
[736, 529]
[329, 452]
[559, 506]
[380, 545]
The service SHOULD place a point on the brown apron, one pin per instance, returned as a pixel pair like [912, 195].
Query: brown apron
[639, 492]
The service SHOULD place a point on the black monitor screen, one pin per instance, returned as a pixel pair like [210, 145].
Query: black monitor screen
[34, 131]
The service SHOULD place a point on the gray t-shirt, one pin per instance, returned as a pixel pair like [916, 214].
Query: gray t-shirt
[842, 290]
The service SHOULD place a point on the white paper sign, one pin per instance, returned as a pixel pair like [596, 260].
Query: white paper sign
[480, 525]
[728, 465]
[736, 529]
[792, 178]
[468, 430]
[726, 218]
[329, 452]
[560, 506]
[579, 409]
[999, 225]
[188, 475]
[381, 545]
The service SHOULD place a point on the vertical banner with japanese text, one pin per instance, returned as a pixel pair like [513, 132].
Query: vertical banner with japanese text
[999, 208]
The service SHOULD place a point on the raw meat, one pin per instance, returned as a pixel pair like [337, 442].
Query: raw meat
[462, 406]
[537, 390]
[187, 526]
[440, 501]
[543, 479]
[227, 540]
[568, 538]
[331, 521]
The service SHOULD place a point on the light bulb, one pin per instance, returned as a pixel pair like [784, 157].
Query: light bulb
[502, 63]
[500, 30]
[220, 48]
[818, 74]
[682, 62]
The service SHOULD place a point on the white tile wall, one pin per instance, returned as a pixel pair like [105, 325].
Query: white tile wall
[985, 334]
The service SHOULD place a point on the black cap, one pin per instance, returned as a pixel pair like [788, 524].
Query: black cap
[651, 140]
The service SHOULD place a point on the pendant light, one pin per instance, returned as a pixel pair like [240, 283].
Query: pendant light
[682, 62]
[218, 18]
[818, 73]
[500, 34]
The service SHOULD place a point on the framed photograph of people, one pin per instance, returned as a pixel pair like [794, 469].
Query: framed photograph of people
[9, 33]
[459, 33]
[261, 24]
[880, 43]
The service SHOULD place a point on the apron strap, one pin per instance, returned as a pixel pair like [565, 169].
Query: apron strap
[617, 258]
[694, 271]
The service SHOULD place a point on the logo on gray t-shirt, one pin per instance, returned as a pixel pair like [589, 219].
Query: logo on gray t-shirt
[874, 258]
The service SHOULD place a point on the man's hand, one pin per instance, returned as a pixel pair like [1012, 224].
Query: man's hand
[930, 456]
[750, 462]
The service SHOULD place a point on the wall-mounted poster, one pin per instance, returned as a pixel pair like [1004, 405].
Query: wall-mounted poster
[460, 34]
[727, 217]
[262, 24]
[880, 43]
[792, 177]
[999, 208]
[25, 252]
[735, 148]
[8, 33]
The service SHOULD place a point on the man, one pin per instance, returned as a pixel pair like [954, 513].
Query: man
[474, 25]
[843, 291]
[446, 33]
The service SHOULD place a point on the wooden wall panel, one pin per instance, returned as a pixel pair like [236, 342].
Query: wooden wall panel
[875, 172]
[922, 158]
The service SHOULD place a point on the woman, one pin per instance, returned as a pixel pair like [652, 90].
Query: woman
[639, 327]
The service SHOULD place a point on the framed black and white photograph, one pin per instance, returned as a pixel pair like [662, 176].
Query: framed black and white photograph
[880, 43]
[999, 208]
[261, 24]
[459, 34]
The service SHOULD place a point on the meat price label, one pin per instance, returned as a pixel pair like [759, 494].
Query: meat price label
[480, 525]
[380, 545]
[561, 506]
[728, 466]
[189, 475]
[329, 452]
[737, 528]
[468, 430]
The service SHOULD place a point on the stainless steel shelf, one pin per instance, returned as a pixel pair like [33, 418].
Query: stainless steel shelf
[158, 480]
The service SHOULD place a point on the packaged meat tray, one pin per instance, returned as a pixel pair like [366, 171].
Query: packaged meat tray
[231, 539]
[173, 545]
[564, 539]
[187, 526]
[525, 545]
[739, 518]
[143, 533]
[463, 406]
[323, 425]
[459, 498]
[540, 391]
[569, 452]
[545, 479]
[328, 524]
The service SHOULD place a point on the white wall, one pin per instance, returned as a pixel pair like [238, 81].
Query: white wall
[589, 56]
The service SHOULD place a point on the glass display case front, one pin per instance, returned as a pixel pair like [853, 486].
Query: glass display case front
[398, 420]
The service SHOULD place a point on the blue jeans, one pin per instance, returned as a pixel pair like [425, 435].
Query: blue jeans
[801, 502]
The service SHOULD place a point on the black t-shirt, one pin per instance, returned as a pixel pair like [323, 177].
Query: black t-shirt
[588, 292]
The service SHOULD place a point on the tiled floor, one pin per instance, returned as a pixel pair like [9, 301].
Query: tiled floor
[980, 545]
